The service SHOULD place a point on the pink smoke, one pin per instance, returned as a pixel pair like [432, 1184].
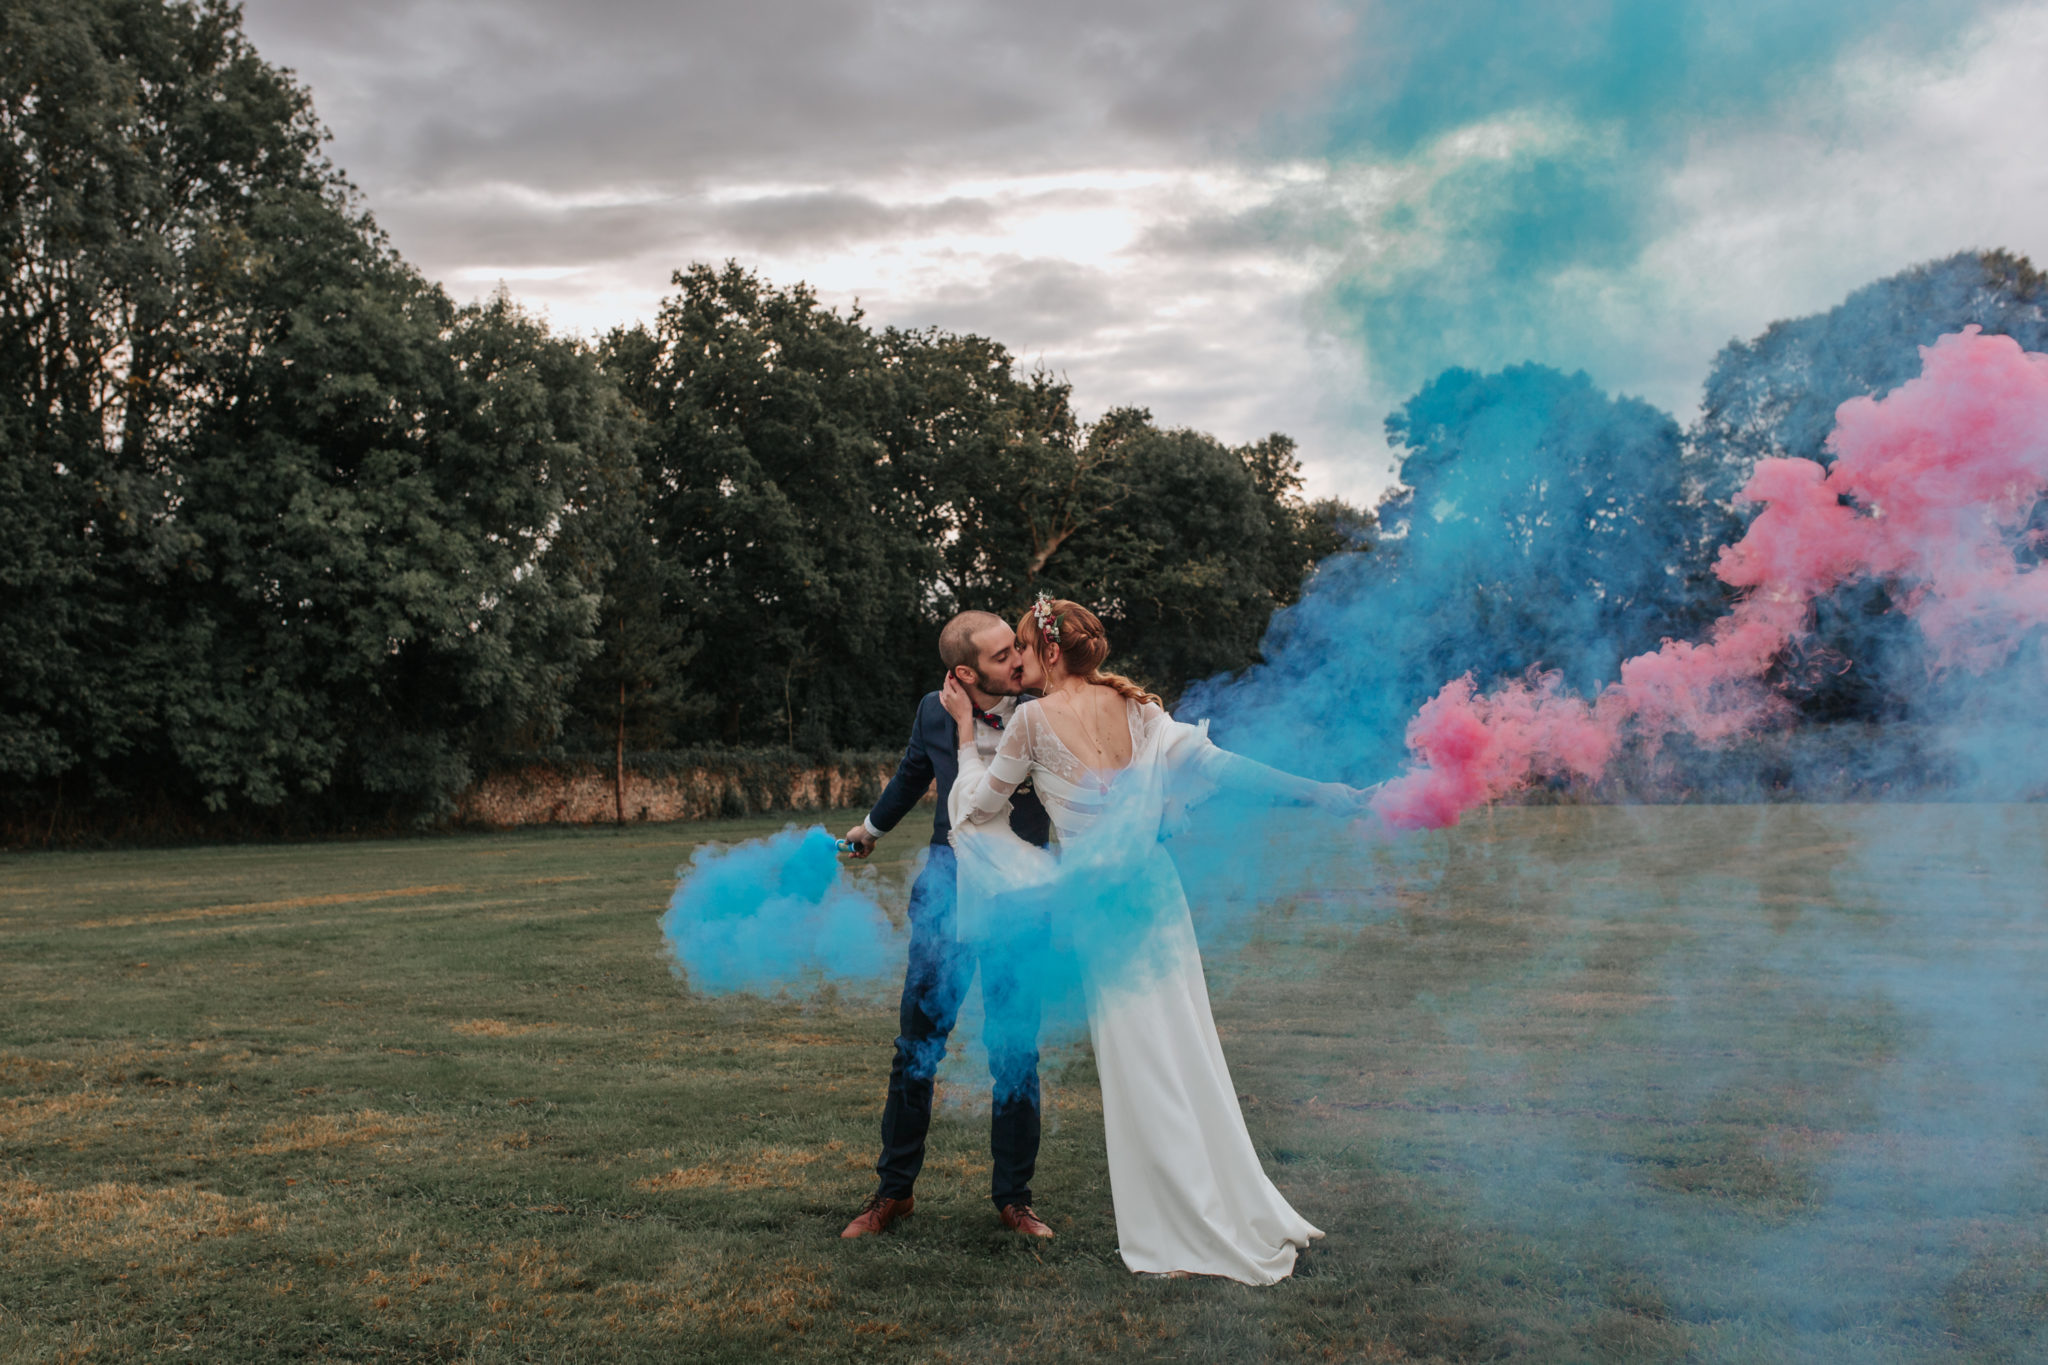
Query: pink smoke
[1930, 487]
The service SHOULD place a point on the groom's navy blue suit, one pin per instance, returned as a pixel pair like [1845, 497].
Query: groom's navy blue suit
[936, 982]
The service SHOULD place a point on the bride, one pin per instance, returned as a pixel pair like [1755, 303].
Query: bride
[1111, 766]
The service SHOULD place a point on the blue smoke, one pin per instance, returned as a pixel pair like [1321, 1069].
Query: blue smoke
[783, 913]
[1875, 1042]
[1537, 529]
[1836, 1168]
[1546, 524]
[1830, 1104]
[1501, 246]
[773, 913]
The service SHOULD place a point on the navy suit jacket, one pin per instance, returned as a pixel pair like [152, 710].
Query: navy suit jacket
[934, 751]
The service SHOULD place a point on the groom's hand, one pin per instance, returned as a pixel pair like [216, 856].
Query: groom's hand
[862, 841]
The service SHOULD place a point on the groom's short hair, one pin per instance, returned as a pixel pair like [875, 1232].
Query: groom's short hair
[956, 641]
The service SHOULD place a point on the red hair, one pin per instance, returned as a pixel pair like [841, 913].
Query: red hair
[1083, 646]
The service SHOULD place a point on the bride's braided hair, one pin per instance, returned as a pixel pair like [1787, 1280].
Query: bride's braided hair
[1083, 646]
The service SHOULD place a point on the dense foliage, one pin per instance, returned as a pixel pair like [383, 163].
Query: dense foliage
[282, 526]
[277, 513]
[283, 529]
[1538, 528]
[1776, 394]
[1544, 524]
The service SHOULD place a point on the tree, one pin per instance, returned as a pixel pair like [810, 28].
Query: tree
[1545, 517]
[828, 495]
[142, 145]
[772, 488]
[286, 533]
[375, 508]
[640, 678]
[284, 509]
[1203, 542]
[993, 463]
[1540, 525]
[1184, 545]
[1776, 395]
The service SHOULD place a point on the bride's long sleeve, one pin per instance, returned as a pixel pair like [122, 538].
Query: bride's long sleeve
[983, 789]
[1201, 767]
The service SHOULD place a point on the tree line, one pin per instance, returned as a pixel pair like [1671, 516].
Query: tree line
[282, 527]
[285, 529]
[1542, 523]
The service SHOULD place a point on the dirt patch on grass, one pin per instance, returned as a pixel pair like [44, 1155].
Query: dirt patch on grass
[962, 1168]
[497, 1028]
[794, 1040]
[25, 1071]
[19, 1118]
[115, 1216]
[734, 1299]
[1071, 1099]
[1595, 1002]
[780, 1168]
[269, 907]
[322, 1132]
[787, 1295]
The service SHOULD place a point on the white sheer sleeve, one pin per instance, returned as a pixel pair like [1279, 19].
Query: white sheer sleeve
[984, 787]
[1197, 767]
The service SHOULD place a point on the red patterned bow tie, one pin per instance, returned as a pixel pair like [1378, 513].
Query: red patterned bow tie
[988, 718]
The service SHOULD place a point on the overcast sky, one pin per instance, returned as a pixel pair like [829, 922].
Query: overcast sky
[1247, 215]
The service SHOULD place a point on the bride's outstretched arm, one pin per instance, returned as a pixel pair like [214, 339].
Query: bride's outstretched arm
[1284, 788]
[1194, 753]
[982, 790]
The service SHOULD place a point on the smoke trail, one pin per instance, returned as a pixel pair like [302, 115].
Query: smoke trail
[1834, 1059]
[1525, 160]
[774, 912]
[782, 912]
[1932, 489]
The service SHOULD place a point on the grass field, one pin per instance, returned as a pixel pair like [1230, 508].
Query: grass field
[1730, 1083]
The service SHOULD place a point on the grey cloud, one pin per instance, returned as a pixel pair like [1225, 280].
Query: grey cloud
[613, 92]
[828, 217]
[1224, 62]
[502, 230]
[1030, 304]
[492, 230]
[1304, 216]
[1200, 344]
[588, 149]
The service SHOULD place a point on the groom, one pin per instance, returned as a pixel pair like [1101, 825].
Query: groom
[984, 654]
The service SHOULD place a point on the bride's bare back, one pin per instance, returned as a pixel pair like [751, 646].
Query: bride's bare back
[1093, 722]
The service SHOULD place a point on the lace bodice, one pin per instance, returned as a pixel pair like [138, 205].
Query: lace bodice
[1074, 795]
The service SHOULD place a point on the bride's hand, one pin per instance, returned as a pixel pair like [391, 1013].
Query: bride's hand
[1347, 803]
[958, 704]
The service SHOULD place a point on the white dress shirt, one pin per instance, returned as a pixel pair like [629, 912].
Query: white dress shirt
[986, 738]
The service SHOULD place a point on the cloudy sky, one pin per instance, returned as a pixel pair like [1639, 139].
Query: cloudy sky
[1247, 215]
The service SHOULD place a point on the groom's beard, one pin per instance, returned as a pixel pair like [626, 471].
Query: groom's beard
[1005, 685]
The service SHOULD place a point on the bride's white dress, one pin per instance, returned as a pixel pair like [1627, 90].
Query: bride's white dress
[1190, 1194]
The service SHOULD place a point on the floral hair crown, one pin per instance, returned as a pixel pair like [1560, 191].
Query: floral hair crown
[1048, 622]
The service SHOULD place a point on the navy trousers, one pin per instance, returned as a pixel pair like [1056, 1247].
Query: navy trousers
[933, 987]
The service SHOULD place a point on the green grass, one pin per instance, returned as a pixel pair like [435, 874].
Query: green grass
[1565, 1084]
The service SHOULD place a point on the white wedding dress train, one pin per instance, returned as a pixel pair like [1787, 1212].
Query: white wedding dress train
[1189, 1191]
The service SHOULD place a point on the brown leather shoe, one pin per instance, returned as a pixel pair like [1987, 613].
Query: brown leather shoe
[1020, 1218]
[877, 1214]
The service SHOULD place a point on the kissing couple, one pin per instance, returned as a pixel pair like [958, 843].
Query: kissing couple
[1028, 737]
